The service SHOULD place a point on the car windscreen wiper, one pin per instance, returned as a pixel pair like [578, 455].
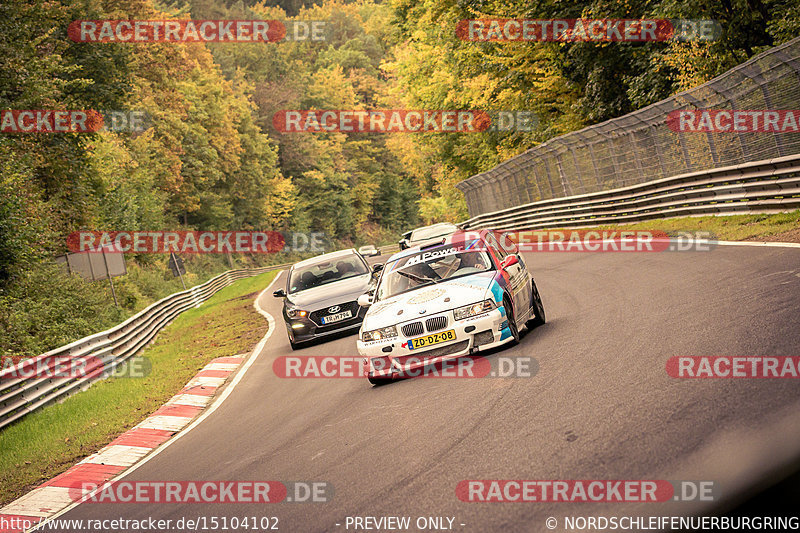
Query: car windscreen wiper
[418, 279]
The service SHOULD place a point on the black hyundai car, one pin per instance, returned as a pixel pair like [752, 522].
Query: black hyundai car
[321, 295]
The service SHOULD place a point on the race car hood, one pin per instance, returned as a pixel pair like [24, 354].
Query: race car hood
[346, 290]
[429, 300]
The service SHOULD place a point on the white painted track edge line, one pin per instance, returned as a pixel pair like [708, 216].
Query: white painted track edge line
[208, 410]
[775, 244]
[709, 242]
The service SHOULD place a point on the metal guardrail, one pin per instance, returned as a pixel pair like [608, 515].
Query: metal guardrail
[768, 186]
[97, 353]
[644, 145]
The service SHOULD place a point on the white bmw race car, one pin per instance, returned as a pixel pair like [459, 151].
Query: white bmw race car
[446, 300]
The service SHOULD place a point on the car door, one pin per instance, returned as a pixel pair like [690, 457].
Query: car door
[507, 244]
[527, 283]
[518, 278]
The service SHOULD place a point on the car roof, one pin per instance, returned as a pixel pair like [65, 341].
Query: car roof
[437, 225]
[453, 238]
[325, 257]
[434, 231]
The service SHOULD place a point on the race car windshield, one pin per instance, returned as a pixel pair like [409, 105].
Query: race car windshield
[319, 274]
[429, 267]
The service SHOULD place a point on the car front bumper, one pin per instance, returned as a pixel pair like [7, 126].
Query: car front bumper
[305, 329]
[391, 358]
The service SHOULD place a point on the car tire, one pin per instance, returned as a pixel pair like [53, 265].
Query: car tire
[538, 308]
[378, 381]
[512, 324]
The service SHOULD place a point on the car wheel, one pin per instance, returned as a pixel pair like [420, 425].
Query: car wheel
[538, 308]
[378, 381]
[512, 324]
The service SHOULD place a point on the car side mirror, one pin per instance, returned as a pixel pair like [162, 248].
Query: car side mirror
[509, 261]
[365, 300]
[377, 267]
[280, 293]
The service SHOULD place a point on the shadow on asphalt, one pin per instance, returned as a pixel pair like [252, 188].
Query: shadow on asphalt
[781, 499]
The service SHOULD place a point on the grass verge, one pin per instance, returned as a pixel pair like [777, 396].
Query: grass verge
[48, 442]
[784, 227]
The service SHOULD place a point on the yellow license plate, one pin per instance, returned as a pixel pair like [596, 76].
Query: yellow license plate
[433, 338]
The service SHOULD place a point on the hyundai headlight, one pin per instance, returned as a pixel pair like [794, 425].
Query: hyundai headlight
[294, 312]
[379, 334]
[474, 309]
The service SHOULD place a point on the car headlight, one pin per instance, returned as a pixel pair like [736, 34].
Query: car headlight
[474, 309]
[294, 312]
[379, 334]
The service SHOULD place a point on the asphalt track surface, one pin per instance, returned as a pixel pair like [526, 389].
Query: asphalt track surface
[600, 407]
